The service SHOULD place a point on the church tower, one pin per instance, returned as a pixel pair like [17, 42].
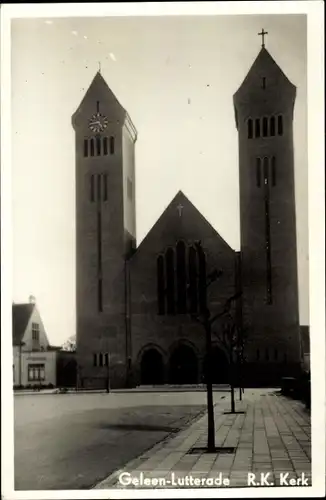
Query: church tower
[105, 234]
[264, 107]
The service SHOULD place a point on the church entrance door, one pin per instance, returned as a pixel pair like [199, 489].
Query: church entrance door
[152, 369]
[220, 367]
[183, 366]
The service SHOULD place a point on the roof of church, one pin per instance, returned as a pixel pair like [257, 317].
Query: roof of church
[179, 199]
[21, 314]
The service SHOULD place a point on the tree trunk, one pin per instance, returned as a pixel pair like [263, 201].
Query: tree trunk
[209, 385]
[232, 382]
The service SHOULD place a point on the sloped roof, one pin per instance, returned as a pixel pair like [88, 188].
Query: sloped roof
[21, 314]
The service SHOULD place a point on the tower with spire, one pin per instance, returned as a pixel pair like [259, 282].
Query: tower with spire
[264, 107]
[105, 232]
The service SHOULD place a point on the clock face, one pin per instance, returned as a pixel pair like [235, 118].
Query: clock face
[98, 123]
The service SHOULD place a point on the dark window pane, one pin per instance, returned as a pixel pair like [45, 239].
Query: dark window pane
[280, 125]
[105, 146]
[257, 127]
[105, 187]
[258, 172]
[98, 146]
[106, 359]
[95, 359]
[91, 147]
[170, 281]
[272, 126]
[111, 145]
[257, 354]
[275, 354]
[202, 291]
[99, 187]
[160, 285]
[85, 147]
[266, 161]
[92, 188]
[193, 298]
[265, 126]
[266, 354]
[181, 277]
[250, 129]
[100, 359]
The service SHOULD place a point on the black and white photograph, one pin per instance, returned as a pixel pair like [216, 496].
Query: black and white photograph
[162, 221]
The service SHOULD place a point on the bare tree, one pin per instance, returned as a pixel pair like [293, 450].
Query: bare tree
[70, 344]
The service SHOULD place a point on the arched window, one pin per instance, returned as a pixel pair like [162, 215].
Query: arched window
[111, 145]
[272, 126]
[92, 194]
[193, 298]
[265, 166]
[91, 143]
[170, 281]
[273, 171]
[280, 125]
[250, 128]
[85, 148]
[105, 146]
[181, 278]
[160, 285]
[257, 127]
[98, 146]
[100, 359]
[258, 172]
[265, 127]
[105, 187]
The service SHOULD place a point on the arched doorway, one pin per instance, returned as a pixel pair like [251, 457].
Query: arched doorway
[151, 367]
[220, 367]
[183, 366]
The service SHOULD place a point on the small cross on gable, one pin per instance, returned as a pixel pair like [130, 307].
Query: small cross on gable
[180, 208]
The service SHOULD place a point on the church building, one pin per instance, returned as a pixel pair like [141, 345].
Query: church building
[137, 306]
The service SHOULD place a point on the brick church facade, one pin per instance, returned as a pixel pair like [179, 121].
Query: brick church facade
[136, 305]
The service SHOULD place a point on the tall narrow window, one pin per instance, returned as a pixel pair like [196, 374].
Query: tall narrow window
[105, 146]
[280, 125]
[92, 188]
[202, 290]
[105, 187]
[170, 280]
[111, 145]
[85, 148]
[98, 146]
[106, 359]
[265, 166]
[258, 172]
[94, 359]
[272, 126]
[91, 143]
[285, 358]
[193, 290]
[275, 354]
[263, 82]
[257, 127]
[273, 171]
[267, 354]
[181, 277]
[265, 126]
[98, 106]
[250, 128]
[257, 354]
[160, 285]
[100, 359]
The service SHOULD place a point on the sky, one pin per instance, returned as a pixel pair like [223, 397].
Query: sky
[176, 77]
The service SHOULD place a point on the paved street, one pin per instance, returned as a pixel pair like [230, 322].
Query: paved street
[73, 441]
[271, 437]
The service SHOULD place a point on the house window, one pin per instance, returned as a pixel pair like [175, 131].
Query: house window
[272, 126]
[111, 145]
[280, 125]
[250, 128]
[35, 332]
[129, 188]
[85, 148]
[265, 127]
[258, 172]
[257, 127]
[105, 146]
[36, 373]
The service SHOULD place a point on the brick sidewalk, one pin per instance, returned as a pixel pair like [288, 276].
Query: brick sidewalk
[273, 436]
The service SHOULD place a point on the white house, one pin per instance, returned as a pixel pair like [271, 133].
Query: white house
[34, 360]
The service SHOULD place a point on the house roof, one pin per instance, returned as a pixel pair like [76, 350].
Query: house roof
[21, 314]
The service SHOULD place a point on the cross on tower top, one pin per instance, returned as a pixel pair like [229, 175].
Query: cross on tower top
[262, 34]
